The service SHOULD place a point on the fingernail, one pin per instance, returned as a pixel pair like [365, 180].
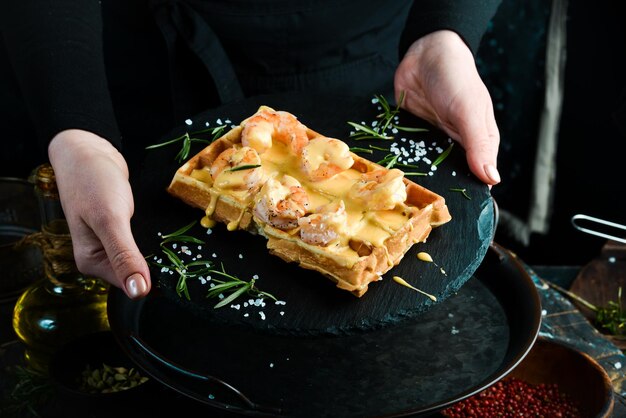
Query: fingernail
[492, 173]
[136, 286]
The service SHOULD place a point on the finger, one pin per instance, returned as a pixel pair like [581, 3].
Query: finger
[127, 268]
[480, 138]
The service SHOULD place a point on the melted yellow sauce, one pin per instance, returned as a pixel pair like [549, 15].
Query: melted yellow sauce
[370, 227]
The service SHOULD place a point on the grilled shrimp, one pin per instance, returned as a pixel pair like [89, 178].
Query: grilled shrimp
[237, 169]
[261, 129]
[280, 203]
[380, 189]
[324, 226]
[325, 157]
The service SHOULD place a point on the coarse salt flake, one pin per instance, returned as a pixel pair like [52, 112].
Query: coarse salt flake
[189, 122]
[618, 365]
[262, 314]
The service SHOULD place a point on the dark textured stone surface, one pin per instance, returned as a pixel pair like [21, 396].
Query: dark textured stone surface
[314, 306]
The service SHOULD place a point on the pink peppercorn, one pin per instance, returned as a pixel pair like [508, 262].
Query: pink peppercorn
[513, 397]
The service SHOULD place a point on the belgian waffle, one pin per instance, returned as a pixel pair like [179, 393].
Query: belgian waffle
[371, 242]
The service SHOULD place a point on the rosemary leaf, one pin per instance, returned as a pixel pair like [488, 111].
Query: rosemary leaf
[462, 191]
[363, 128]
[180, 231]
[204, 263]
[219, 288]
[378, 148]
[264, 294]
[406, 165]
[408, 129]
[163, 144]
[443, 155]
[181, 287]
[415, 174]
[182, 238]
[359, 149]
[244, 167]
[173, 258]
[231, 297]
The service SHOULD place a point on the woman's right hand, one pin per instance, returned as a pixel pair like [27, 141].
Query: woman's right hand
[442, 85]
[92, 178]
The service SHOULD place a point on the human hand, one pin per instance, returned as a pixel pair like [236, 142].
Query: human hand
[441, 84]
[92, 178]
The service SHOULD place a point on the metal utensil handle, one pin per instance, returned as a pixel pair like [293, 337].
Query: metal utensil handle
[599, 221]
[177, 368]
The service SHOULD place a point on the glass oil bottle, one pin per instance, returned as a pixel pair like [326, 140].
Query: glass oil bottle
[64, 304]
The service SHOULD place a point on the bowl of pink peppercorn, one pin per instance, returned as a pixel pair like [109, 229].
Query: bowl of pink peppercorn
[553, 380]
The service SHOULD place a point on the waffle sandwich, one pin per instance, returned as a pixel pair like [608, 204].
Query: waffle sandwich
[317, 203]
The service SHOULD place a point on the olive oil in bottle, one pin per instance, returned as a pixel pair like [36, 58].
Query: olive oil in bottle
[64, 304]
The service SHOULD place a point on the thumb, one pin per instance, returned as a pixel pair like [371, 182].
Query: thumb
[128, 268]
[481, 141]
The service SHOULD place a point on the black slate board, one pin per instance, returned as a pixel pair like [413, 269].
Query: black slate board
[313, 304]
[419, 366]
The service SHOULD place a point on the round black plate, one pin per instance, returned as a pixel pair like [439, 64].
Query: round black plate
[419, 366]
[314, 305]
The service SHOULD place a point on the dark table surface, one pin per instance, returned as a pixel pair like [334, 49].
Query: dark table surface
[159, 399]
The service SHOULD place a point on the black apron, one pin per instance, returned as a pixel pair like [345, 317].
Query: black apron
[249, 47]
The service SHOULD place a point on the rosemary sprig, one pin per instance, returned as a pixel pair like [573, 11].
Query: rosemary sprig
[610, 318]
[384, 122]
[235, 285]
[185, 270]
[227, 282]
[187, 139]
[28, 392]
[179, 236]
[365, 132]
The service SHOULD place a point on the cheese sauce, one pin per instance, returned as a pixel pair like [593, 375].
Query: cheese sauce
[371, 227]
